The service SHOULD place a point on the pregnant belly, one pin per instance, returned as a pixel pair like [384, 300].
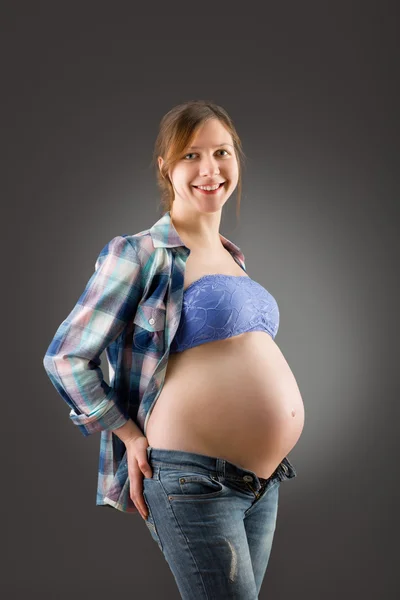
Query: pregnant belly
[235, 399]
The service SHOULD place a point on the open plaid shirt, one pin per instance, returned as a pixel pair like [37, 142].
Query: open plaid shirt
[130, 308]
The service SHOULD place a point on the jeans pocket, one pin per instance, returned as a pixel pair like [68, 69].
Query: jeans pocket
[184, 485]
[151, 526]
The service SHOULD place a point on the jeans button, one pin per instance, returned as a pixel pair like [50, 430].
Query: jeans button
[247, 478]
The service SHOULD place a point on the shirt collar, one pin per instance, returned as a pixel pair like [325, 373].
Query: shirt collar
[165, 235]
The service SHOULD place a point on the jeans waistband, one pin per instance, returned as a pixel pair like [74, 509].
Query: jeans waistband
[180, 459]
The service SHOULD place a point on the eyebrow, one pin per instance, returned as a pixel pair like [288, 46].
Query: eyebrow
[199, 147]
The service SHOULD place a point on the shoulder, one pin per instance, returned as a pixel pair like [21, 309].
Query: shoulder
[148, 246]
[127, 244]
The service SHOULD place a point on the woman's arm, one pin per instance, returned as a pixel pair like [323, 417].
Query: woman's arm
[72, 360]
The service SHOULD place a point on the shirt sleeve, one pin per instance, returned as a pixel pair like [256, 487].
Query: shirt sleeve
[72, 360]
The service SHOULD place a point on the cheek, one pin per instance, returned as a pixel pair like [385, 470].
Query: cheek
[233, 175]
[183, 177]
[180, 179]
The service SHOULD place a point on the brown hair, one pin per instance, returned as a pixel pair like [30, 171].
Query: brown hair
[177, 129]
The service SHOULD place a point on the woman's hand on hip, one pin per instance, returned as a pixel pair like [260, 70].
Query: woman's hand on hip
[137, 467]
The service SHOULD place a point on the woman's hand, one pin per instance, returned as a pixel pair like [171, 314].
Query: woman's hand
[137, 467]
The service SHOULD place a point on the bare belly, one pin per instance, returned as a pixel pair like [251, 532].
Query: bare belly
[235, 399]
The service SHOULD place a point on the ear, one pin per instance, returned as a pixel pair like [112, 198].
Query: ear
[160, 162]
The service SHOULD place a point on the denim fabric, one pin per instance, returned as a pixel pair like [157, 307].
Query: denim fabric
[213, 521]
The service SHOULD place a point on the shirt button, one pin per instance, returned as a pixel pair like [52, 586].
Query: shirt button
[152, 321]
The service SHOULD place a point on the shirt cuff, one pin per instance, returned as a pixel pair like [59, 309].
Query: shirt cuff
[88, 424]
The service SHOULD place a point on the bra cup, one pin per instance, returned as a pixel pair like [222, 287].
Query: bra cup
[219, 306]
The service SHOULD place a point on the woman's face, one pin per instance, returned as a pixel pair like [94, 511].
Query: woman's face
[210, 159]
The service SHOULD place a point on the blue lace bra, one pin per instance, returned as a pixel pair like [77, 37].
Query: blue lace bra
[218, 306]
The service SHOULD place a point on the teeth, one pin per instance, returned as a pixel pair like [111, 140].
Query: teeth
[208, 187]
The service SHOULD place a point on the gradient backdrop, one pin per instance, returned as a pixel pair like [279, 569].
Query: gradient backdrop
[311, 88]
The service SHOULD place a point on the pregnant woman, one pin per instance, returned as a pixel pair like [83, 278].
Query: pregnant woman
[207, 407]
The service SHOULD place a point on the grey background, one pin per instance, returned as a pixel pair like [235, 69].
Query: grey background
[311, 88]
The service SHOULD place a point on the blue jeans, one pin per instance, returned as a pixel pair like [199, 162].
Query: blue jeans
[213, 521]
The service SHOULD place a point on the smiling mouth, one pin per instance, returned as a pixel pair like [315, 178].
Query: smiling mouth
[210, 191]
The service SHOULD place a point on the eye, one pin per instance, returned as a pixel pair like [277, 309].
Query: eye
[193, 153]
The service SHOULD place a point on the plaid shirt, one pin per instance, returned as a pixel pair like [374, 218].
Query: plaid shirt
[130, 308]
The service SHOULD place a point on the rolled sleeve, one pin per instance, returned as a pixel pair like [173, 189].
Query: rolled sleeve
[111, 419]
[72, 360]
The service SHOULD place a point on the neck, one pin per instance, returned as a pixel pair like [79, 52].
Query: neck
[198, 231]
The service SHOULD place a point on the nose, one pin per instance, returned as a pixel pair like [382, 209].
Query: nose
[209, 166]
